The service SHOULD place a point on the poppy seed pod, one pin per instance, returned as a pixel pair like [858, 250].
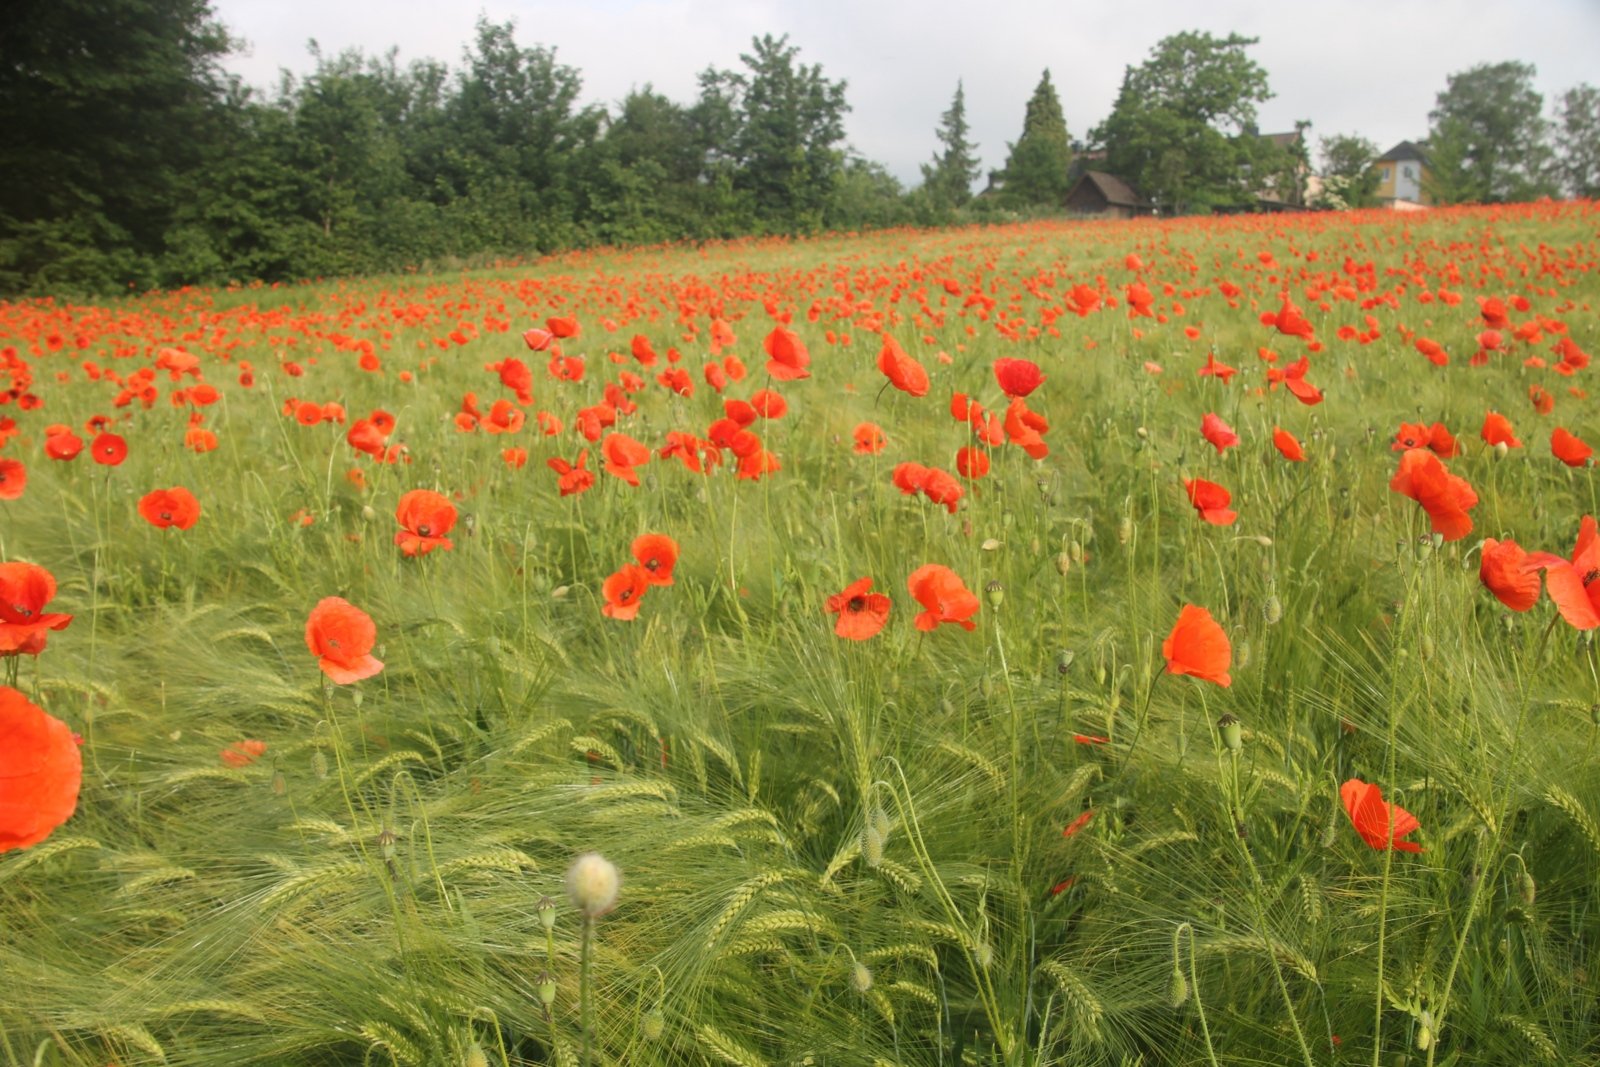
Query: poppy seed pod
[1232, 731]
[1064, 660]
[592, 884]
[547, 989]
[995, 592]
[546, 910]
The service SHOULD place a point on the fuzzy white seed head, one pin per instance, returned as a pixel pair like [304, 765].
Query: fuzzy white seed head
[593, 883]
[861, 978]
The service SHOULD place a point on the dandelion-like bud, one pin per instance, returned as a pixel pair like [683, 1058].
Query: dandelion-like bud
[1272, 610]
[653, 1025]
[860, 978]
[1232, 731]
[592, 884]
[1178, 989]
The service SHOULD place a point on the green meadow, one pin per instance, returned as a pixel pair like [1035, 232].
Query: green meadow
[1024, 843]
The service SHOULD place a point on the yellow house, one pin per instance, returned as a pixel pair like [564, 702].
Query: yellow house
[1402, 176]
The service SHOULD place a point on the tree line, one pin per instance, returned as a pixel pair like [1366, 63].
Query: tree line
[132, 160]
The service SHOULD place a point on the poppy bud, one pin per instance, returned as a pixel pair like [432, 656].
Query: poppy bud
[1063, 563]
[860, 978]
[475, 1056]
[1141, 433]
[1125, 530]
[280, 784]
[996, 593]
[1232, 731]
[1424, 1030]
[546, 910]
[1006, 519]
[1064, 660]
[1427, 647]
[989, 544]
[1594, 714]
[1272, 610]
[1527, 888]
[319, 765]
[880, 822]
[547, 989]
[560, 592]
[1437, 539]
[653, 1025]
[368, 513]
[984, 953]
[1178, 990]
[871, 846]
[1075, 550]
[1501, 449]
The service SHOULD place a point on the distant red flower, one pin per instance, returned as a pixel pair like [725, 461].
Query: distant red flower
[1078, 824]
[1218, 433]
[972, 463]
[1569, 448]
[425, 518]
[1198, 646]
[164, 508]
[41, 771]
[1211, 501]
[657, 554]
[538, 339]
[1444, 496]
[943, 596]
[1287, 445]
[1026, 429]
[1540, 398]
[622, 454]
[624, 592]
[562, 327]
[1213, 369]
[13, 479]
[341, 636]
[1017, 378]
[903, 371]
[1379, 823]
[1497, 430]
[1509, 573]
[62, 445]
[787, 358]
[862, 613]
[25, 589]
[869, 439]
[243, 753]
[769, 404]
[573, 477]
[109, 449]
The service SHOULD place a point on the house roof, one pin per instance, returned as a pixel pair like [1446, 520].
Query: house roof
[1403, 152]
[1112, 188]
[1283, 140]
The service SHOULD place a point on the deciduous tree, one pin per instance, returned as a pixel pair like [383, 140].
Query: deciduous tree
[1578, 139]
[1488, 138]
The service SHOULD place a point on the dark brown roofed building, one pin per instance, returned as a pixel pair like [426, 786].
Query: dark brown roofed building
[1099, 193]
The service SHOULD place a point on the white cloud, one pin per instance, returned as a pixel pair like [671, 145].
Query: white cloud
[1371, 67]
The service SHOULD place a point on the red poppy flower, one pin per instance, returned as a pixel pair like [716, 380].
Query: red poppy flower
[943, 596]
[164, 508]
[573, 477]
[1017, 377]
[657, 554]
[1441, 442]
[1289, 321]
[903, 372]
[1198, 646]
[243, 753]
[40, 772]
[1213, 369]
[1026, 429]
[1286, 444]
[1078, 824]
[1379, 823]
[1572, 585]
[862, 613]
[1444, 496]
[562, 327]
[1219, 433]
[13, 479]
[1211, 501]
[624, 592]
[1569, 448]
[769, 404]
[972, 462]
[515, 458]
[63, 445]
[787, 358]
[516, 376]
[109, 449]
[869, 439]
[425, 518]
[622, 454]
[25, 589]
[1497, 430]
[1493, 311]
[1509, 573]
[341, 636]
[538, 339]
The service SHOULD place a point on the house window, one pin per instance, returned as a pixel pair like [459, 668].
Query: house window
[1409, 173]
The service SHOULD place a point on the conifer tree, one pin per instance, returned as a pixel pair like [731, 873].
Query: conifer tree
[948, 179]
[1036, 170]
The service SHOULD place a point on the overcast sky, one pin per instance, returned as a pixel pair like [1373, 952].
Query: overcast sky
[1371, 67]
